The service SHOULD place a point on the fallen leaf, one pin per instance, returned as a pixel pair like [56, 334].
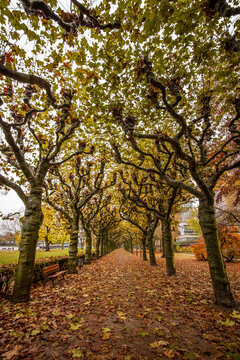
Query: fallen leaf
[235, 314]
[159, 343]
[143, 334]
[77, 353]
[227, 322]
[121, 315]
[14, 352]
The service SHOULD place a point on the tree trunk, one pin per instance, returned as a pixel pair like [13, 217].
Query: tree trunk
[152, 257]
[101, 245]
[221, 286]
[98, 242]
[47, 244]
[167, 237]
[88, 251]
[131, 245]
[163, 245]
[144, 247]
[27, 249]
[151, 229]
[73, 246]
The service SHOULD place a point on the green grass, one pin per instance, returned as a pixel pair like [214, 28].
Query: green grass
[11, 257]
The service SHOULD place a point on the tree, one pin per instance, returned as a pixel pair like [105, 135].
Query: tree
[69, 190]
[28, 147]
[53, 230]
[87, 215]
[106, 220]
[158, 198]
[22, 137]
[139, 217]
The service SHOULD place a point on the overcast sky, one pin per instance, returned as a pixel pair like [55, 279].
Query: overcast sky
[10, 202]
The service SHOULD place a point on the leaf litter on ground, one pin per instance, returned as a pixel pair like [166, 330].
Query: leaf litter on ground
[120, 307]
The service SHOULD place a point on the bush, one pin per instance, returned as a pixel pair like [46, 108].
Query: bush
[230, 241]
[229, 238]
[6, 275]
[199, 250]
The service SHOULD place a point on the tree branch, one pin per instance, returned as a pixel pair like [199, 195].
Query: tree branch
[29, 79]
[15, 187]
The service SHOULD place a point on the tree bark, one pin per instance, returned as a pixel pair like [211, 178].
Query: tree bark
[167, 239]
[151, 230]
[131, 245]
[73, 246]
[88, 251]
[144, 247]
[101, 245]
[207, 219]
[98, 242]
[163, 245]
[47, 244]
[27, 249]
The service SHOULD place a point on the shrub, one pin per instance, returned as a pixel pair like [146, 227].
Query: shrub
[199, 250]
[229, 237]
[6, 275]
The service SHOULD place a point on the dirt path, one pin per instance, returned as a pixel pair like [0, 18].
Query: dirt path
[121, 308]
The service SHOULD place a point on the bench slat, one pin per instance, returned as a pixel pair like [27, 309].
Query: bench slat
[51, 272]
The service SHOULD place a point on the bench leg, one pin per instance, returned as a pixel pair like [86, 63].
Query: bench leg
[52, 282]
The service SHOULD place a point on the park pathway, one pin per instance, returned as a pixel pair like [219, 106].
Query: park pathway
[121, 308]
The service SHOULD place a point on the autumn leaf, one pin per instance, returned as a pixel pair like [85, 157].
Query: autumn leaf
[77, 353]
[235, 314]
[36, 332]
[121, 315]
[143, 334]
[159, 343]
[106, 333]
[227, 322]
[75, 326]
[14, 352]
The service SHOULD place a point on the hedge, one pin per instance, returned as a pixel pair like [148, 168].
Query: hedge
[7, 271]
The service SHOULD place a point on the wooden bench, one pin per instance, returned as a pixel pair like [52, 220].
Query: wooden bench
[52, 272]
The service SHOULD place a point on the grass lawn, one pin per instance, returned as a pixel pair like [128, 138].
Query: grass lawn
[10, 257]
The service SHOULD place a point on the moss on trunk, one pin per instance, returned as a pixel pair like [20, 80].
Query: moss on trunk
[98, 242]
[167, 236]
[73, 246]
[88, 251]
[221, 286]
[144, 247]
[27, 249]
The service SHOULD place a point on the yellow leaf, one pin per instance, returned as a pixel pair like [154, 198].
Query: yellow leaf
[75, 326]
[106, 336]
[143, 334]
[121, 315]
[77, 353]
[227, 322]
[235, 314]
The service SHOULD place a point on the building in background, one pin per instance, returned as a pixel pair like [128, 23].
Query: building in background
[186, 236]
